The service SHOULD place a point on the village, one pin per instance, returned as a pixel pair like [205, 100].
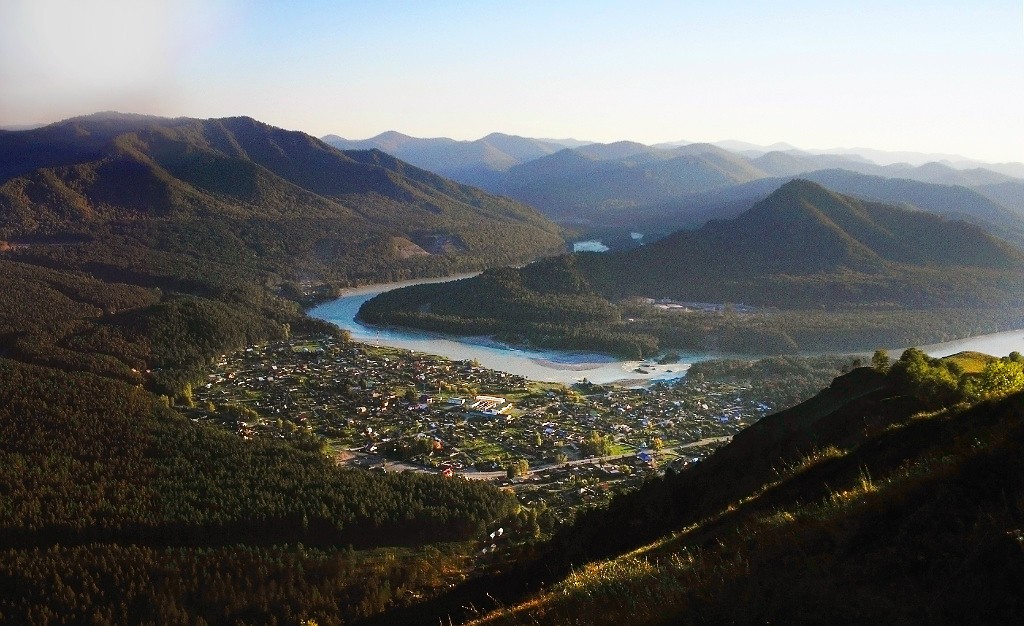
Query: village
[385, 409]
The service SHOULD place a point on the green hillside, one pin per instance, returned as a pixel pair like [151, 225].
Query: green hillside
[289, 206]
[816, 271]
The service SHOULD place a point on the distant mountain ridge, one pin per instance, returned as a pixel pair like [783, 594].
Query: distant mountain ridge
[472, 162]
[612, 189]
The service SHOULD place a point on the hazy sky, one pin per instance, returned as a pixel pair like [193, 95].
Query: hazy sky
[934, 75]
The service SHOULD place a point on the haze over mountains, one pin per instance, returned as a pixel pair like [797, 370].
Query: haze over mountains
[606, 189]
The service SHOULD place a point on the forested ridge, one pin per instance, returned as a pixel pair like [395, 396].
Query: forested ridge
[806, 269]
[134, 250]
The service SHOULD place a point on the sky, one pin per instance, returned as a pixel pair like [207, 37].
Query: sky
[931, 76]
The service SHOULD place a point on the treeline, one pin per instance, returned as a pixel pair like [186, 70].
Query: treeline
[113, 584]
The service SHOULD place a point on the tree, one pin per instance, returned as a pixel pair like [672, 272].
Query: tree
[1000, 376]
[880, 361]
[596, 445]
[935, 382]
[520, 467]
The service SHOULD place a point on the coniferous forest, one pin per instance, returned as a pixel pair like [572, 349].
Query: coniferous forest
[135, 250]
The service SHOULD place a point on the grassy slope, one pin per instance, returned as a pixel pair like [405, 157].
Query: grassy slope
[856, 506]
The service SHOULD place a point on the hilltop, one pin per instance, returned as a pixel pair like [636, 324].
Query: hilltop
[822, 271]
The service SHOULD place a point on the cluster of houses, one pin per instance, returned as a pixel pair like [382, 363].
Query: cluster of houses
[448, 415]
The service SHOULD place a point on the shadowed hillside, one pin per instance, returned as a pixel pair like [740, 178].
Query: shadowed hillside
[867, 503]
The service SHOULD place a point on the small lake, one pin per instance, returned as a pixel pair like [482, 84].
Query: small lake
[560, 366]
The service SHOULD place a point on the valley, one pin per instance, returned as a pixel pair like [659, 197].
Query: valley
[186, 437]
[805, 270]
[384, 409]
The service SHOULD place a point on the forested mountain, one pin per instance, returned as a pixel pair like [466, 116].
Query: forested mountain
[836, 272]
[805, 228]
[891, 496]
[342, 215]
[133, 251]
[950, 201]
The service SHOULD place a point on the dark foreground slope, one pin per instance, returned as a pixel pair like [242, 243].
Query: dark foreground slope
[869, 503]
[825, 271]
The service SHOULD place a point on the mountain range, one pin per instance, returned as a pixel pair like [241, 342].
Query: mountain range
[610, 190]
[478, 162]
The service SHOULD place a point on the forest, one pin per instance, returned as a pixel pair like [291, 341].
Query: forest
[136, 251]
[521, 307]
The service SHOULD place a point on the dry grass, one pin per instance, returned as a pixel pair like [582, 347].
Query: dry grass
[835, 555]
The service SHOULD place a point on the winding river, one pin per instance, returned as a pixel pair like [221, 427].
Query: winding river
[544, 365]
[561, 366]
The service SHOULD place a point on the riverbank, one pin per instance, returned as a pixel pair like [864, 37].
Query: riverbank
[564, 366]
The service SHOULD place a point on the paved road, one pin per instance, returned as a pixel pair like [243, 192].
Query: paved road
[363, 459]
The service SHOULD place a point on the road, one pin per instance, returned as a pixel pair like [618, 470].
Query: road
[362, 459]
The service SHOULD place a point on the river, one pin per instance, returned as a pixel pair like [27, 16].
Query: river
[544, 365]
[560, 366]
